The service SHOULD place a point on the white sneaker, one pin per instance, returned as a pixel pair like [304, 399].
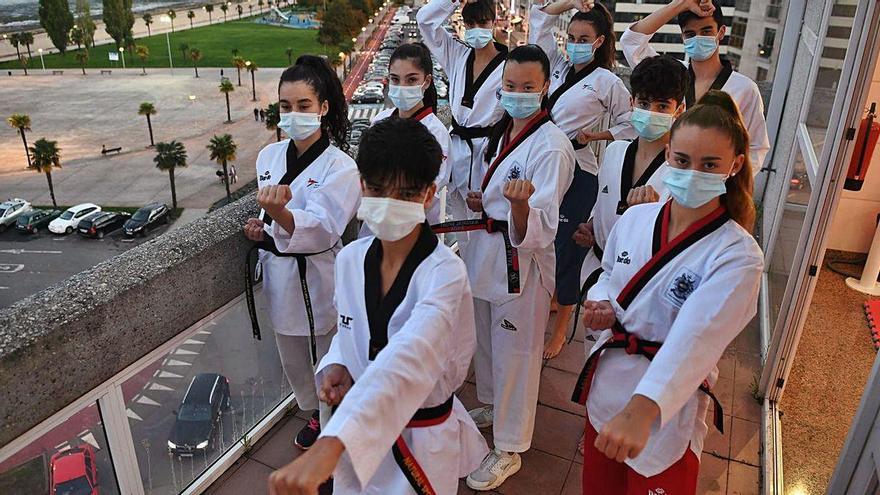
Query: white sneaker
[494, 470]
[482, 416]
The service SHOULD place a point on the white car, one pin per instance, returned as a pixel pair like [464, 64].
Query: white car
[10, 210]
[69, 220]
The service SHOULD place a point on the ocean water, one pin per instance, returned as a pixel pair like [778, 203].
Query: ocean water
[16, 15]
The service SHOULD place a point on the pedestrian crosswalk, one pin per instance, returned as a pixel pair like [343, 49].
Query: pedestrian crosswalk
[357, 112]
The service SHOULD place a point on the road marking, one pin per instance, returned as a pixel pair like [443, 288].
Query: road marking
[175, 362]
[27, 251]
[194, 341]
[184, 352]
[158, 386]
[10, 268]
[204, 332]
[146, 400]
[166, 374]
[90, 439]
[133, 415]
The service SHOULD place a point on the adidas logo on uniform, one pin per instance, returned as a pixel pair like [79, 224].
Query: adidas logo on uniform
[605, 189]
[508, 325]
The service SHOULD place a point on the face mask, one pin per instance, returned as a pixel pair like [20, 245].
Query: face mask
[477, 37]
[700, 48]
[651, 125]
[693, 189]
[521, 105]
[390, 219]
[299, 125]
[579, 53]
[405, 97]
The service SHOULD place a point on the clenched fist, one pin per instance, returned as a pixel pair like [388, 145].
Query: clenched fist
[599, 315]
[583, 236]
[335, 383]
[474, 201]
[642, 194]
[254, 229]
[306, 474]
[518, 192]
[274, 199]
[702, 8]
[582, 5]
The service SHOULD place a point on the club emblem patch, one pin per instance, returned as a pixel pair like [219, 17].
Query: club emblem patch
[515, 172]
[682, 286]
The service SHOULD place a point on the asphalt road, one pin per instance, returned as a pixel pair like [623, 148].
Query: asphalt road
[31, 263]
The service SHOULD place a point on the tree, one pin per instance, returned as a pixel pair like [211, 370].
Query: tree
[143, 53]
[24, 63]
[339, 22]
[184, 48]
[195, 54]
[227, 87]
[27, 38]
[239, 10]
[148, 19]
[77, 36]
[209, 8]
[223, 150]
[273, 118]
[251, 9]
[85, 23]
[56, 19]
[260, 5]
[190, 15]
[15, 40]
[289, 53]
[252, 68]
[173, 15]
[118, 21]
[47, 155]
[82, 56]
[224, 8]
[170, 156]
[234, 52]
[239, 64]
[146, 109]
[21, 122]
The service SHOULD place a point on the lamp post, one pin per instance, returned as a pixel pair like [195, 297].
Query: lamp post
[122, 54]
[253, 82]
[42, 62]
[165, 19]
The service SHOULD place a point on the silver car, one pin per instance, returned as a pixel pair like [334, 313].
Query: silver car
[10, 210]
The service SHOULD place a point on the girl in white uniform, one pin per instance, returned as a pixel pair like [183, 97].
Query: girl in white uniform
[309, 192]
[680, 280]
[510, 259]
[583, 94]
[474, 71]
[405, 341]
[702, 29]
[412, 92]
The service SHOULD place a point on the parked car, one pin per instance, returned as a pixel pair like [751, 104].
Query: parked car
[69, 220]
[196, 425]
[147, 218]
[10, 210]
[101, 223]
[32, 221]
[73, 472]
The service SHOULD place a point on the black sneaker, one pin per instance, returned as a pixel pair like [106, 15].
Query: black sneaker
[309, 433]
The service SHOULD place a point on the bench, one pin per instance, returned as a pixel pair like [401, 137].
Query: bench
[57, 72]
[106, 72]
[105, 150]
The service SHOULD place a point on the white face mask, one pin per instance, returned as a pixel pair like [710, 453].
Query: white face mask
[405, 97]
[390, 219]
[299, 125]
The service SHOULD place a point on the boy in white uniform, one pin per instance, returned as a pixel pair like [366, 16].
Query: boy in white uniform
[702, 29]
[405, 341]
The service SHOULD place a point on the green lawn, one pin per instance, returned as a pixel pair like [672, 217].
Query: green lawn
[263, 44]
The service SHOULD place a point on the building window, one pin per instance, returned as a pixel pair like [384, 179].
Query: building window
[743, 5]
[773, 9]
[765, 49]
[762, 75]
[737, 32]
[734, 60]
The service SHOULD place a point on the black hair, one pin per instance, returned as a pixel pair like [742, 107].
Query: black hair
[419, 54]
[478, 12]
[316, 71]
[688, 16]
[661, 77]
[600, 17]
[399, 153]
[520, 54]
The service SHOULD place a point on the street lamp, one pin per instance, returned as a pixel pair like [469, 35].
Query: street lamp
[122, 53]
[363, 29]
[43, 63]
[166, 19]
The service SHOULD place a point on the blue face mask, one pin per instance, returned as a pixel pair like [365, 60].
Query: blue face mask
[521, 105]
[693, 189]
[700, 48]
[477, 37]
[579, 53]
[651, 125]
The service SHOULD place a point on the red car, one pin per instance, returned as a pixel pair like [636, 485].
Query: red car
[73, 472]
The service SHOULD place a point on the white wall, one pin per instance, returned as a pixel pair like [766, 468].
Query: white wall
[854, 221]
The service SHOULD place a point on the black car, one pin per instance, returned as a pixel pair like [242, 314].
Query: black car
[196, 425]
[32, 221]
[147, 218]
[101, 223]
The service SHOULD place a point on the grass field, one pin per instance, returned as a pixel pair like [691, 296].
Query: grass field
[263, 44]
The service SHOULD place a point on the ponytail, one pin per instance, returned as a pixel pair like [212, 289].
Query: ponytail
[717, 110]
[323, 79]
[419, 55]
[600, 17]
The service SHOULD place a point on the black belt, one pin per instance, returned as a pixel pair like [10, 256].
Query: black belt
[269, 245]
[423, 418]
[468, 135]
[491, 226]
[578, 146]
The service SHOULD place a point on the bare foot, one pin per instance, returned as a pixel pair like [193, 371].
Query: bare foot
[554, 346]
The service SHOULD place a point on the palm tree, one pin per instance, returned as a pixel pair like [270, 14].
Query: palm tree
[77, 36]
[273, 117]
[27, 38]
[239, 63]
[143, 53]
[223, 150]
[260, 5]
[224, 8]
[146, 109]
[190, 15]
[289, 53]
[195, 54]
[15, 40]
[82, 56]
[252, 68]
[251, 9]
[173, 15]
[170, 156]
[209, 8]
[21, 122]
[239, 9]
[234, 52]
[227, 87]
[148, 19]
[47, 155]
[184, 49]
